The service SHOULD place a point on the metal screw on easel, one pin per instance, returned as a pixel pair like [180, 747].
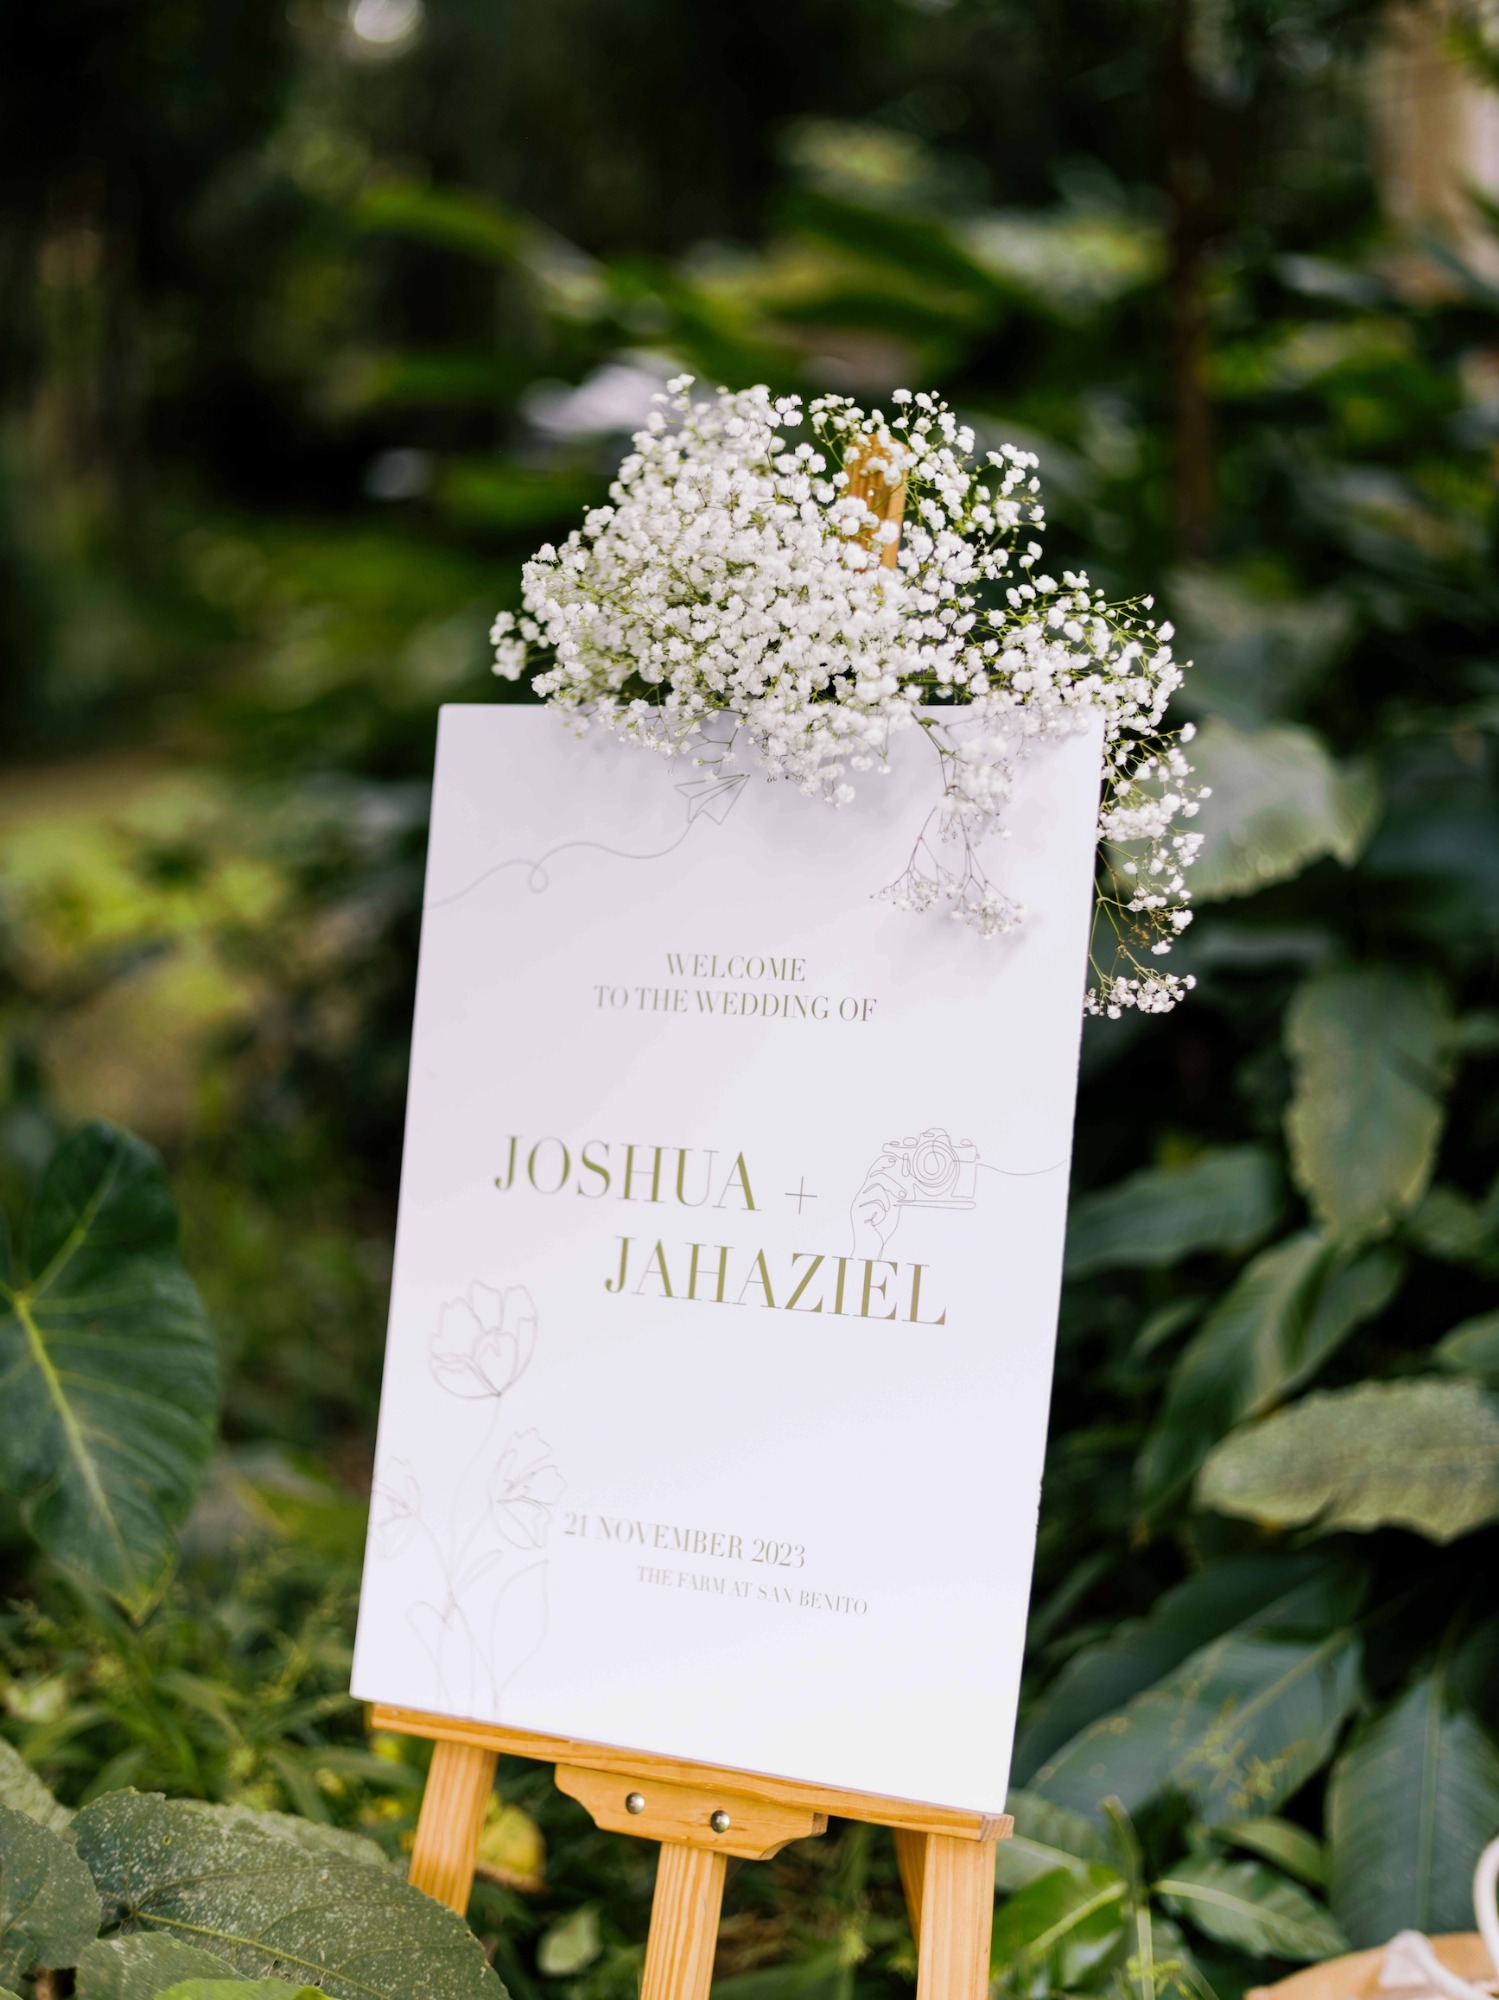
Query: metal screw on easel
[635, 1802]
[720, 1821]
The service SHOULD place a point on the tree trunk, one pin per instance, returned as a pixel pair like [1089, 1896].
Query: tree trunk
[1189, 189]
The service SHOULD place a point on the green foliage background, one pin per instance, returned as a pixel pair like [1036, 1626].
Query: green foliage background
[307, 341]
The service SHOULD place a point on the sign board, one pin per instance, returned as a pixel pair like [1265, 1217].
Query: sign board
[727, 1263]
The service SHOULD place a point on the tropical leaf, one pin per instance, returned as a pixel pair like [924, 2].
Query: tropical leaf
[454, 218]
[1239, 1727]
[1412, 1801]
[1101, 1678]
[512, 1850]
[1046, 1837]
[476, 225]
[142, 1967]
[1370, 1052]
[108, 1369]
[1287, 1313]
[1251, 652]
[214, 1877]
[23, 1791]
[1278, 803]
[1289, 1846]
[1219, 1201]
[914, 249]
[1472, 1348]
[1421, 1455]
[571, 1943]
[49, 1907]
[1067, 1922]
[1454, 1228]
[1251, 1907]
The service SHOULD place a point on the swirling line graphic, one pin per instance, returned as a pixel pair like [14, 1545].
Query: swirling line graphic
[711, 796]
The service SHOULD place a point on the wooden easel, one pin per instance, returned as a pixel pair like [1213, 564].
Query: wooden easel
[701, 1815]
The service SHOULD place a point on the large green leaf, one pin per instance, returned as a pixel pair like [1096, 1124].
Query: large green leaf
[318, 1839]
[1239, 1727]
[1289, 1846]
[1137, 1653]
[108, 1369]
[1252, 651]
[23, 1791]
[1221, 1201]
[141, 1967]
[1278, 803]
[1251, 1907]
[1286, 1314]
[1067, 1922]
[240, 1989]
[1412, 1801]
[1046, 1837]
[49, 1907]
[1422, 1455]
[1370, 1052]
[222, 1879]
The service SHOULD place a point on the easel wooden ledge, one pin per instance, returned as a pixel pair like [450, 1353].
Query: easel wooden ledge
[701, 1815]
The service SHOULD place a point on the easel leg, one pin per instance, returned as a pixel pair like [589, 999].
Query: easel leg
[910, 1857]
[447, 1833]
[684, 1923]
[957, 1919]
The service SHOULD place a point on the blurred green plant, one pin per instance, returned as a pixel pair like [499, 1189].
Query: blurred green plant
[388, 320]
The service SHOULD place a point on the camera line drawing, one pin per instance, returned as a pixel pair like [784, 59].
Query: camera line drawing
[931, 1170]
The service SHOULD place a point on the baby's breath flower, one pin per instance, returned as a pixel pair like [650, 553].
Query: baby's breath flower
[831, 576]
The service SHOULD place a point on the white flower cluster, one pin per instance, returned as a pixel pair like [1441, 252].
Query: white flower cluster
[830, 576]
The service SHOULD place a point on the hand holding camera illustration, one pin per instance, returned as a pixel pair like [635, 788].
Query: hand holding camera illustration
[931, 1170]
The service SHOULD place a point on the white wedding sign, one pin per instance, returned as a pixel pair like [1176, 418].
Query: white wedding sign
[727, 1264]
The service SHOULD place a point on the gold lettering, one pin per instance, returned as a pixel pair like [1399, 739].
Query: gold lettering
[561, 1178]
[757, 1270]
[738, 1172]
[914, 1315]
[683, 1154]
[617, 1284]
[838, 1294]
[656, 1263]
[870, 1286]
[806, 1280]
[507, 1180]
[723, 1271]
[655, 1193]
[593, 1167]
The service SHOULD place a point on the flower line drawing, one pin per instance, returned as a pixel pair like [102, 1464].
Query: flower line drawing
[485, 1612]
